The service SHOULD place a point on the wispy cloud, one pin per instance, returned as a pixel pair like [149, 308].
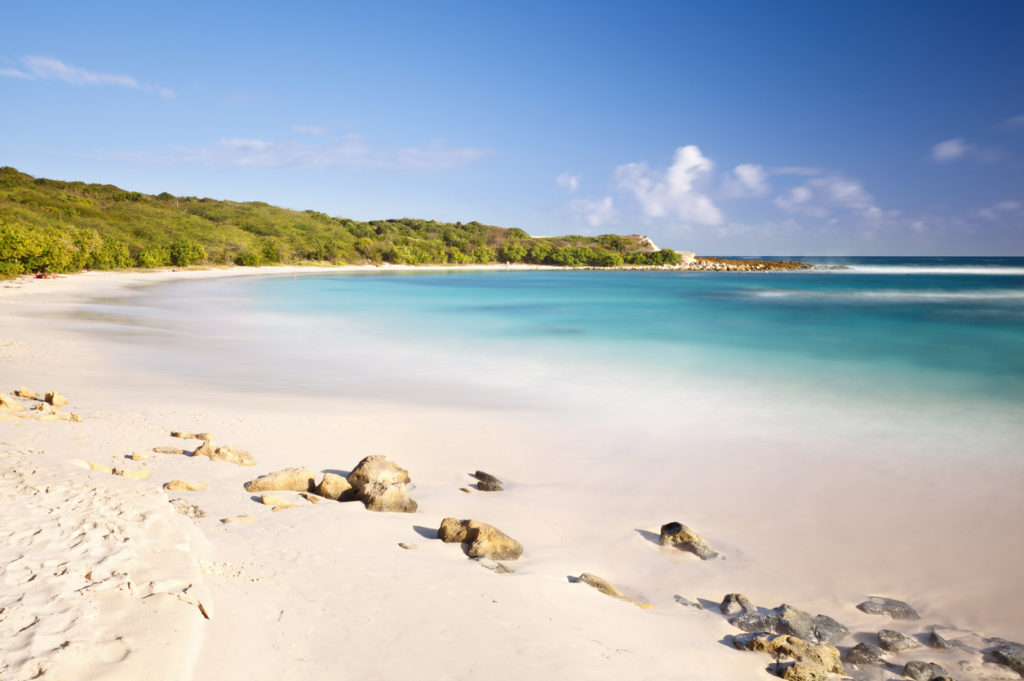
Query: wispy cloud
[310, 129]
[745, 181]
[352, 153]
[596, 212]
[959, 148]
[568, 182]
[50, 68]
[674, 192]
[821, 197]
[1002, 209]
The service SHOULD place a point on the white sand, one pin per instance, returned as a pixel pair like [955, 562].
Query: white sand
[323, 591]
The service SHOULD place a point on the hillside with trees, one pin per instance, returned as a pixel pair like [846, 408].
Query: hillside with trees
[54, 226]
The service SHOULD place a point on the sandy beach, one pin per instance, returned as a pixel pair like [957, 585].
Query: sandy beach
[102, 578]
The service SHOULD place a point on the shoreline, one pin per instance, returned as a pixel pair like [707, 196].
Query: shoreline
[324, 570]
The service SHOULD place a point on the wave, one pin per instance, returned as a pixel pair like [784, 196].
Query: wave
[893, 296]
[994, 270]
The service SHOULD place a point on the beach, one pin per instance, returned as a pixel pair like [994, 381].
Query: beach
[325, 589]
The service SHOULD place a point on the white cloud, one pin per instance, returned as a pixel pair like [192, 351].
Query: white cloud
[950, 150]
[49, 68]
[820, 196]
[596, 212]
[746, 180]
[1014, 122]
[1000, 209]
[310, 129]
[352, 154]
[568, 182]
[672, 193]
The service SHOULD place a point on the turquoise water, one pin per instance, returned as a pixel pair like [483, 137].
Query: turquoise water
[884, 326]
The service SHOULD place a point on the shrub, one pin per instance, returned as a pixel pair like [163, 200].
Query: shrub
[185, 252]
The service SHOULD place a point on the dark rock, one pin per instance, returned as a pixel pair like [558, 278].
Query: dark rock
[485, 486]
[923, 671]
[896, 642]
[828, 630]
[795, 622]
[1010, 655]
[898, 610]
[734, 603]
[688, 603]
[864, 653]
[677, 534]
[755, 622]
[487, 478]
[945, 638]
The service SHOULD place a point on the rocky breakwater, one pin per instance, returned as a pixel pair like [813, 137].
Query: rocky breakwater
[728, 265]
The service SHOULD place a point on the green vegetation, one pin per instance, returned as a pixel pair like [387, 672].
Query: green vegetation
[55, 226]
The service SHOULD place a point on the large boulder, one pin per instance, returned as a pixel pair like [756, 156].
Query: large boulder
[292, 479]
[386, 498]
[1010, 655]
[898, 610]
[377, 468]
[336, 487]
[828, 630]
[790, 647]
[896, 642]
[681, 536]
[786, 619]
[919, 670]
[480, 539]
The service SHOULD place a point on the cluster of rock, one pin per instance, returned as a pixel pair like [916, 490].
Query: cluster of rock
[479, 539]
[726, 265]
[46, 408]
[804, 646]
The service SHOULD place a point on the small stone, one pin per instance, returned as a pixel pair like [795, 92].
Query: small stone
[311, 498]
[205, 437]
[26, 393]
[292, 479]
[56, 399]
[864, 653]
[183, 435]
[920, 670]
[944, 638]
[377, 469]
[272, 500]
[186, 486]
[489, 486]
[680, 535]
[239, 520]
[186, 509]
[384, 497]
[407, 547]
[466, 490]
[734, 603]
[896, 642]
[233, 455]
[487, 477]
[605, 587]
[897, 610]
[696, 605]
[169, 450]
[282, 507]
[140, 474]
[336, 487]
[138, 456]
[102, 468]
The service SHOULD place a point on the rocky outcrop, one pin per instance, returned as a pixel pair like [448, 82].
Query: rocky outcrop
[377, 468]
[336, 487]
[479, 539]
[487, 482]
[26, 393]
[897, 610]
[1010, 655]
[783, 646]
[186, 486]
[864, 653]
[784, 619]
[896, 642]
[225, 453]
[291, 479]
[920, 670]
[606, 587]
[385, 497]
[681, 536]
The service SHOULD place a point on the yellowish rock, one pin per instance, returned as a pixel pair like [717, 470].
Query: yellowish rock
[186, 486]
[281, 507]
[606, 587]
[139, 474]
[383, 497]
[292, 479]
[138, 456]
[272, 500]
[7, 403]
[480, 539]
[93, 466]
[239, 520]
[206, 449]
[48, 417]
[183, 434]
[336, 487]
[377, 469]
[26, 393]
[168, 450]
[56, 399]
[311, 498]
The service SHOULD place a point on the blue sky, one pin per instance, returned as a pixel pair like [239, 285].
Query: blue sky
[720, 127]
